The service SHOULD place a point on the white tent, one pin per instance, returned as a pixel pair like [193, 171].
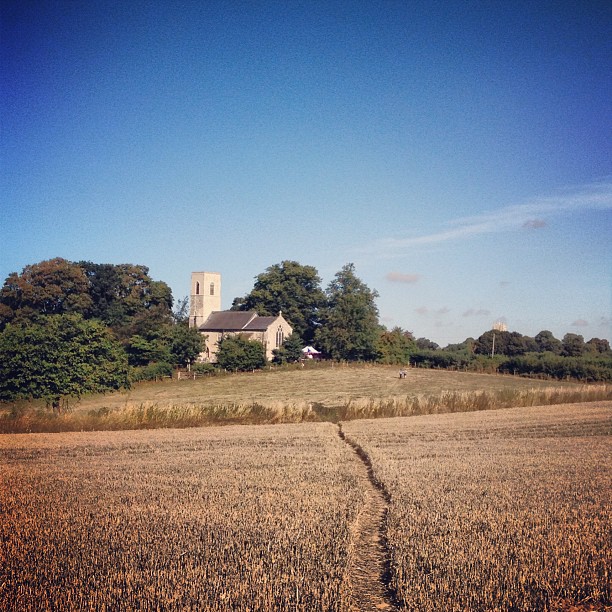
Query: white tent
[309, 351]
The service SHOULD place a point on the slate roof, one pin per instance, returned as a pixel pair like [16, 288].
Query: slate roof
[227, 320]
[259, 323]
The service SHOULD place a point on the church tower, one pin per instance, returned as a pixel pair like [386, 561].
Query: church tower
[205, 296]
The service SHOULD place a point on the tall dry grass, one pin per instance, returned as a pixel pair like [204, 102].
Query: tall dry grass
[162, 413]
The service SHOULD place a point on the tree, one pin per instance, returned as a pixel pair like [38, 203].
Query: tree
[55, 286]
[120, 293]
[547, 343]
[495, 342]
[186, 343]
[598, 346]
[349, 321]
[290, 351]
[290, 288]
[59, 356]
[426, 344]
[240, 354]
[395, 346]
[572, 345]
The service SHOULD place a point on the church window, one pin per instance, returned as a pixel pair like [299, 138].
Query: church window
[197, 291]
[212, 288]
[280, 337]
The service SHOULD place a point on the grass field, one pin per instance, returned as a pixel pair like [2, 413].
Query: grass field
[318, 392]
[495, 510]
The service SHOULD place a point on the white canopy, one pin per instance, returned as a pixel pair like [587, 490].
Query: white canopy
[310, 350]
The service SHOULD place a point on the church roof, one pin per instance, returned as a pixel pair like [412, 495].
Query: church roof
[227, 320]
[236, 320]
[259, 323]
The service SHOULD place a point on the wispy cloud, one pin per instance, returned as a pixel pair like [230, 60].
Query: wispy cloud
[399, 277]
[531, 214]
[580, 323]
[481, 312]
[534, 224]
[423, 310]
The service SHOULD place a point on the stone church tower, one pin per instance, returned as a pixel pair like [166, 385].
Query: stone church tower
[205, 296]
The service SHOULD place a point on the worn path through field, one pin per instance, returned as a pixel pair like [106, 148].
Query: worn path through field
[368, 569]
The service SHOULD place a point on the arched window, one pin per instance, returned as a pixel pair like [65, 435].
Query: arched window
[280, 336]
[197, 291]
[212, 288]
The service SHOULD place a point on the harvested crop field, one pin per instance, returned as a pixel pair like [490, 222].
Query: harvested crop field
[211, 519]
[492, 510]
[503, 510]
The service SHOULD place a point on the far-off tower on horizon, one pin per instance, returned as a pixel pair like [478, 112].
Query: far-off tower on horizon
[205, 296]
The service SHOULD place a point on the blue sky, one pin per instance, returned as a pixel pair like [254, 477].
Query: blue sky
[459, 153]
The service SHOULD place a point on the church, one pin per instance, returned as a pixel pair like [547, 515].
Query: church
[206, 315]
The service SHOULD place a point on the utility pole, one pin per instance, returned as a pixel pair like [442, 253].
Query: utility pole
[493, 347]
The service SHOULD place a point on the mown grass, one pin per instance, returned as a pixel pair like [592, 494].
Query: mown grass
[316, 393]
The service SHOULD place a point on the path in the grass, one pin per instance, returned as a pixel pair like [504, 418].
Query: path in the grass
[368, 569]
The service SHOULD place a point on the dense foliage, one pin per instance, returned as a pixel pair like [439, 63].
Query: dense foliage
[237, 353]
[290, 288]
[58, 356]
[349, 326]
[132, 311]
[290, 351]
[543, 356]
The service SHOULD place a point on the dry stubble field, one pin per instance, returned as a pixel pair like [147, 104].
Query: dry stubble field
[500, 510]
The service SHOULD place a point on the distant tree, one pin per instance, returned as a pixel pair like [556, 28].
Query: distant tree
[395, 346]
[466, 347]
[426, 344]
[598, 346]
[290, 351]
[547, 343]
[290, 288]
[124, 291]
[59, 356]
[500, 343]
[349, 321]
[180, 312]
[237, 353]
[484, 343]
[55, 286]
[572, 345]
[515, 344]
[186, 343]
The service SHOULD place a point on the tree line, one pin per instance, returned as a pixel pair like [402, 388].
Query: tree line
[512, 353]
[68, 328]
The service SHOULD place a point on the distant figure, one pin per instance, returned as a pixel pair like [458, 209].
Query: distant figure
[402, 373]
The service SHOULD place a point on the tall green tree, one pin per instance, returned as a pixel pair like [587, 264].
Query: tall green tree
[186, 343]
[59, 356]
[290, 351]
[54, 286]
[121, 293]
[395, 346]
[290, 288]
[572, 345]
[547, 343]
[500, 343]
[349, 321]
